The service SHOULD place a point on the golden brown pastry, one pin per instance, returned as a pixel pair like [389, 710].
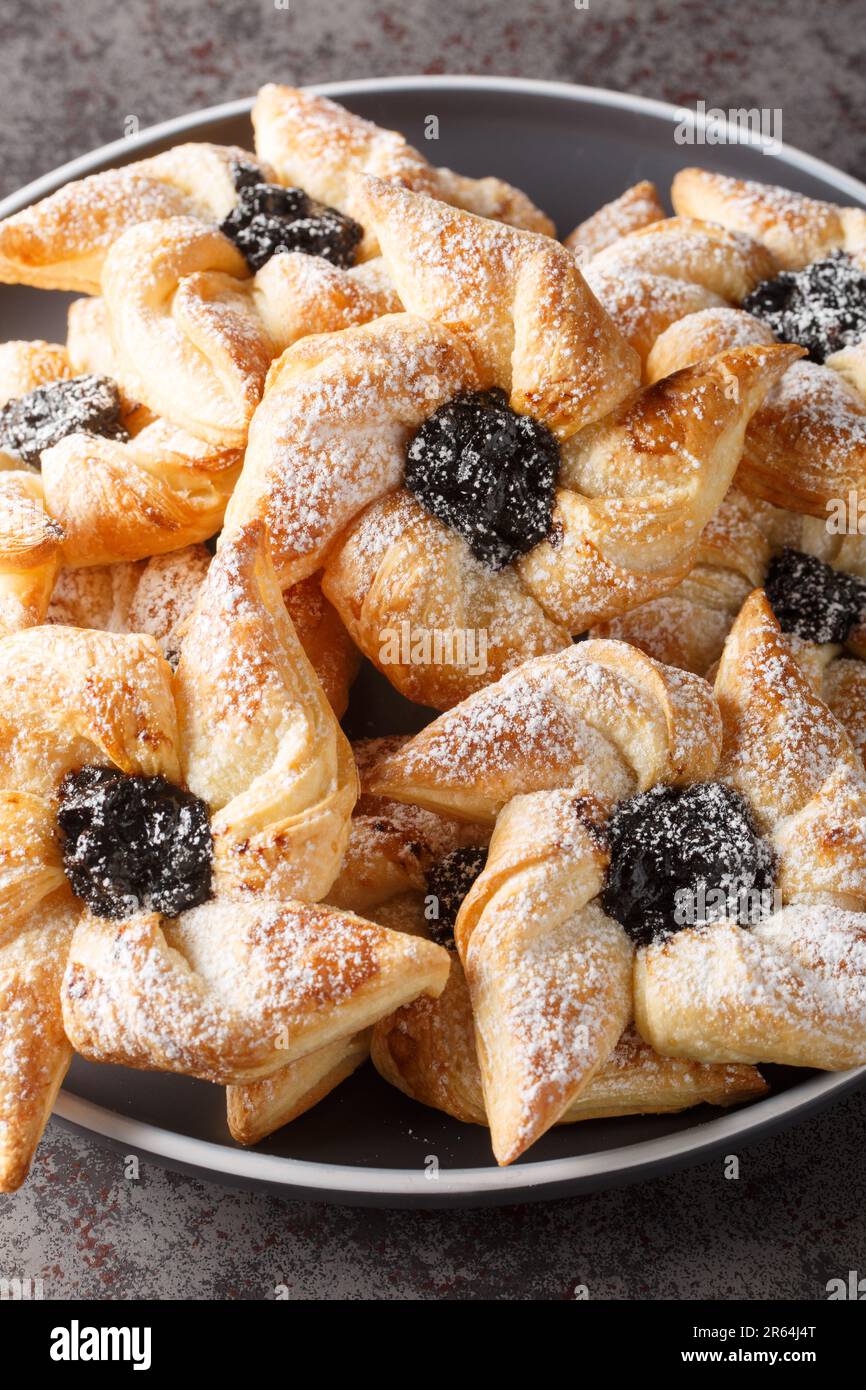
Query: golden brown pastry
[427, 1050]
[260, 1108]
[819, 248]
[586, 761]
[637, 207]
[164, 840]
[688, 627]
[114, 483]
[806, 444]
[60, 243]
[157, 596]
[650, 278]
[795, 228]
[804, 456]
[329, 648]
[154, 597]
[193, 333]
[320, 146]
[409, 868]
[389, 851]
[791, 989]
[623, 523]
[545, 754]
[30, 539]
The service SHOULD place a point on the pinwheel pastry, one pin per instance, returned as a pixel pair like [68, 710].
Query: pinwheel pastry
[683, 289]
[62, 241]
[88, 477]
[693, 861]
[521, 518]
[194, 331]
[820, 609]
[804, 457]
[800, 529]
[319, 145]
[410, 869]
[165, 838]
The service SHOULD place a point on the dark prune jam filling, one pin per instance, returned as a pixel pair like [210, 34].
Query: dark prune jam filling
[822, 308]
[811, 600]
[448, 882]
[268, 219]
[246, 173]
[683, 855]
[82, 405]
[134, 844]
[486, 472]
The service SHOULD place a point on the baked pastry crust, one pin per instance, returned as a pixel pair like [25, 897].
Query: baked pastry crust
[390, 847]
[153, 597]
[320, 146]
[791, 990]
[546, 752]
[427, 1050]
[650, 278]
[95, 500]
[628, 511]
[637, 207]
[806, 443]
[60, 243]
[258, 975]
[796, 229]
[804, 450]
[194, 333]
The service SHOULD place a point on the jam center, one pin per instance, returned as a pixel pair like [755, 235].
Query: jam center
[680, 856]
[81, 405]
[269, 219]
[487, 473]
[134, 844]
[448, 882]
[811, 600]
[823, 307]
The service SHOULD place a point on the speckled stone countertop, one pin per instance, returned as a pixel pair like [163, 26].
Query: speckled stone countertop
[73, 72]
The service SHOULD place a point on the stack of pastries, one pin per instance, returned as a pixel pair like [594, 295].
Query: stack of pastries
[322, 401]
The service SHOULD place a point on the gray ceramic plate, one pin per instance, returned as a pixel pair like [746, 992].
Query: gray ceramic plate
[571, 148]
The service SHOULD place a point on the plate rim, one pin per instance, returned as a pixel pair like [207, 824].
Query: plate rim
[332, 1181]
[570, 91]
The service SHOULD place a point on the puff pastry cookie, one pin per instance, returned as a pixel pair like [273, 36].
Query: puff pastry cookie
[638, 475]
[796, 229]
[427, 1050]
[409, 867]
[610, 779]
[804, 455]
[103, 480]
[683, 289]
[193, 332]
[804, 451]
[199, 815]
[60, 243]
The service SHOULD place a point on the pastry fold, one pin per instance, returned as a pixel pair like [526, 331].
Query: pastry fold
[318, 145]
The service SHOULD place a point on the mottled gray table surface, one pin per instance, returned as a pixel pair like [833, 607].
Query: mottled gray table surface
[71, 73]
